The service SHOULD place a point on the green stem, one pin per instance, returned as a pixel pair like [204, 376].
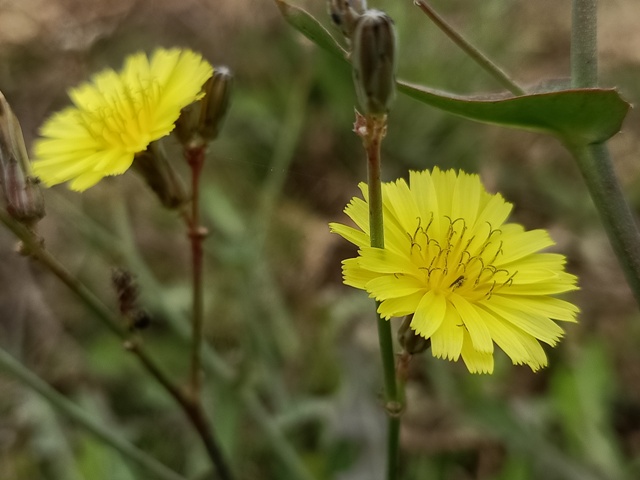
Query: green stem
[597, 170]
[480, 58]
[372, 131]
[32, 381]
[594, 160]
[584, 44]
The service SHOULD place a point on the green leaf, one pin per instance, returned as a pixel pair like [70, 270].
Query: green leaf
[582, 116]
[311, 28]
[577, 116]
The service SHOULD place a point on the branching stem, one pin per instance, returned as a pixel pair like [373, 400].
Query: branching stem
[32, 245]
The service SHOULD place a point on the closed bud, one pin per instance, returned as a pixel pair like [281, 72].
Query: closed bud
[411, 342]
[202, 121]
[345, 14]
[188, 124]
[216, 101]
[373, 59]
[153, 166]
[21, 190]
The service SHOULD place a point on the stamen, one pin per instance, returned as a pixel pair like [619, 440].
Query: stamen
[490, 292]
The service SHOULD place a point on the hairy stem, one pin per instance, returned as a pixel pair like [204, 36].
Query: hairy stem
[596, 167]
[584, 44]
[594, 160]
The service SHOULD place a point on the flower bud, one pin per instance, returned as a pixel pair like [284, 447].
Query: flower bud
[411, 342]
[203, 119]
[20, 189]
[157, 172]
[216, 101]
[373, 59]
[345, 14]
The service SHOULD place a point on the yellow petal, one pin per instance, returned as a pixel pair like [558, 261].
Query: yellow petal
[474, 323]
[446, 341]
[399, 307]
[429, 314]
[476, 362]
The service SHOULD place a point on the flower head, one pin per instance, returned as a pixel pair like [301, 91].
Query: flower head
[469, 279]
[117, 115]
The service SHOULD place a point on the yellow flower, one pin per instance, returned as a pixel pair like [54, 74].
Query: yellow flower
[117, 115]
[468, 278]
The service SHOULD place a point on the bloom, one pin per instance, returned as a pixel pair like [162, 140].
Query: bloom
[117, 115]
[468, 278]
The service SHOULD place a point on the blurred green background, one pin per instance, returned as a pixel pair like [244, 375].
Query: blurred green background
[302, 347]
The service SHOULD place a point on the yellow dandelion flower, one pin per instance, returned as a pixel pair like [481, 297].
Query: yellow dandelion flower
[117, 115]
[468, 278]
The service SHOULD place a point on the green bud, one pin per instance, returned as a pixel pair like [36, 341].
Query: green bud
[188, 124]
[21, 190]
[202, 120]
[374, 61]
[345, 14]
[153, 166]
[409, 340]
[216, 101]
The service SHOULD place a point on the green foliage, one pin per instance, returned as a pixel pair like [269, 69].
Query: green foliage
[580, 116]
[291, 373]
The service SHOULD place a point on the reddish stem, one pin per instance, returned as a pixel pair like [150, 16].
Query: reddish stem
[195, 158]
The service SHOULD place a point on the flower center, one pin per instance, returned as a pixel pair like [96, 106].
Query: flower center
[456, 258]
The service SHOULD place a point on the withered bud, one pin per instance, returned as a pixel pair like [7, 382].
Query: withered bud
[411, 342]
[21, 190]
[202, 120]
[345, 14]
[127, 291]
[373, 59]
[153, 166]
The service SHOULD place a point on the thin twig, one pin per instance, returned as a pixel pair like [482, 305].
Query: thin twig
[480, 58]
[193, 408]
[33, 246]
[197, 233]
[211, 361]
[195, 156]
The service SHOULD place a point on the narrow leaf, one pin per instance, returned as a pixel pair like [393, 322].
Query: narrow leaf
[311, 28]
